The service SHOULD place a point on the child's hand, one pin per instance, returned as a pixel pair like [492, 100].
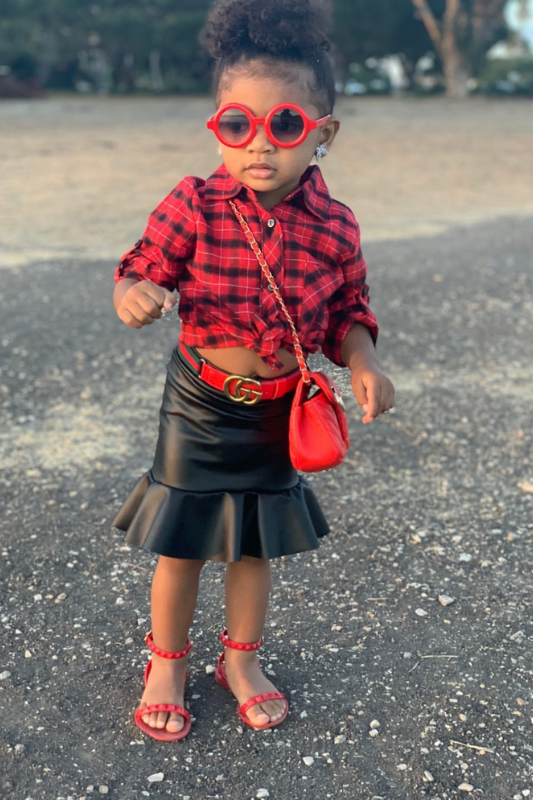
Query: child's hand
[143, 302]
[373, 391]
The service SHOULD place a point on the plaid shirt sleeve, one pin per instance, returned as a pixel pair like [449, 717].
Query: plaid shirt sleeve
[349, 303]
[169, 239]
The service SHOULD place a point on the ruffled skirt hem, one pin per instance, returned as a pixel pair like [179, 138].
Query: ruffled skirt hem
[221, 525]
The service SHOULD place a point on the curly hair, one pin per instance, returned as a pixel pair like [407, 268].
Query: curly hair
[276, 36]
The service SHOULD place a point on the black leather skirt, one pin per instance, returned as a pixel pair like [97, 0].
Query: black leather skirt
[222, 485]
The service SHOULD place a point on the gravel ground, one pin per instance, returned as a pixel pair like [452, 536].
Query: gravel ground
[404, 642]
[395, 691]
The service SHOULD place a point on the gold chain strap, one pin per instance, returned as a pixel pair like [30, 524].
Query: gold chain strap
[270, 278]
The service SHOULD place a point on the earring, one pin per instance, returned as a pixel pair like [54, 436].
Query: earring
[219, 150]
[321, 151]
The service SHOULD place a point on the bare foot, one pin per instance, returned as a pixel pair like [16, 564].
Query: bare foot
[166, 684]
[246, 680]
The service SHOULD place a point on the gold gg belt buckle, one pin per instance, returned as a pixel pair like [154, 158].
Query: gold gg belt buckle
[234, 389]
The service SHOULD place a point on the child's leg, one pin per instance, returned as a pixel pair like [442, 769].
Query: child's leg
[174, 593]
[247, 592]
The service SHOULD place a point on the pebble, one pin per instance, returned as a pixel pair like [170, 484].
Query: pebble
[303, 714]
[157, 776]
[103, 789]
[373, 733]
[5, 674]
[119, 601]
[428, 776]
[374, 724]
[308, 760]
[262, 793]
[19, 748]
[466, 557]
[339, 739]
[402, 766]
[465, 787]
[210, 669]
[446, 600]
[420, 612]
[407, 655]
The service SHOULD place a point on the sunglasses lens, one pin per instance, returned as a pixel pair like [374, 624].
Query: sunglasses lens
[233, 126]
[287, 125]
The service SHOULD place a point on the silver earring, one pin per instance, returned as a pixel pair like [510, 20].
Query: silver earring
[321, 151]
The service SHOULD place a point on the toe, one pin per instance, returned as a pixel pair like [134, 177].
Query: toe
[162, 717]
[256, 715]
[149, 718]
[273, 708]
[175, 722]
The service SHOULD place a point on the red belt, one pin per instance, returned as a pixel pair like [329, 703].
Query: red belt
[240, 388]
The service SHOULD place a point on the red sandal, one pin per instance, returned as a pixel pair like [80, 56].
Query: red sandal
[220, 677]
[160, 733]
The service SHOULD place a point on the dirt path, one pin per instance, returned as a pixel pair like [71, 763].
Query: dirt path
[80, 176]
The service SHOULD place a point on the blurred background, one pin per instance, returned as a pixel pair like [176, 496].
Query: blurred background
[125, 46]
[103, 108]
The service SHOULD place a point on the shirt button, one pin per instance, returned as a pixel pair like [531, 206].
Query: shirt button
[270, 288]
[271, 222]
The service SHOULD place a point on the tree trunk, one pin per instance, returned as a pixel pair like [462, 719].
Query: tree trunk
[156, 77]
[456, 73]
[444, 37]
[456, 76]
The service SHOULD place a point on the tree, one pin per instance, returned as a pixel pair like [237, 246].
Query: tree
[462, 36]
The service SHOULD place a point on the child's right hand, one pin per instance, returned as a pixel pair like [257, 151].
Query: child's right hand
[143, 302]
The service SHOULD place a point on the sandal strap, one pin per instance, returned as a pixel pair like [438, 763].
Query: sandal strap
[149, 639]
[164, 707]
[227, 642]
[261, 698]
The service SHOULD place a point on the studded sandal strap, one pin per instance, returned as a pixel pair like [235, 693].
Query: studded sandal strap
[227, 642]
[149, 639]
[141, 712]
[260, 698]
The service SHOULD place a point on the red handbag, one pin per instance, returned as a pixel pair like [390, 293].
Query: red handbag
[318, 427]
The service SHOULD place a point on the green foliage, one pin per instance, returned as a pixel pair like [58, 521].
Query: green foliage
[507, 76]
[59, 42]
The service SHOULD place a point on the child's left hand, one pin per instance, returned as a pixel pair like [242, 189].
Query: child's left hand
[373, 391]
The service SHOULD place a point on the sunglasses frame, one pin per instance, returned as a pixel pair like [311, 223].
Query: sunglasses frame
[309, 124]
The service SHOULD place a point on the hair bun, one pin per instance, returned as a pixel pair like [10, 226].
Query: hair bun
[278, 28]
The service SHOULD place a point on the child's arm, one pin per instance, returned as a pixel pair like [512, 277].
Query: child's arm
[148, 273]
[372, 389]
[353, 330]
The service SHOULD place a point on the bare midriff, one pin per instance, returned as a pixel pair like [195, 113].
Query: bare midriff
[242, 361]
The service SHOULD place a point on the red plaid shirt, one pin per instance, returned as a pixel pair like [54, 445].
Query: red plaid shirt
[194, 243]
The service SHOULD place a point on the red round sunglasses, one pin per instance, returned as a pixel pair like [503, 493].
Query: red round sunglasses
[286, 125]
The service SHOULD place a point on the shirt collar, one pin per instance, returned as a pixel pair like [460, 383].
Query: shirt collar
[223, 186]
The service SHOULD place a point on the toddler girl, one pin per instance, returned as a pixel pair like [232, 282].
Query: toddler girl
[222, 486]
